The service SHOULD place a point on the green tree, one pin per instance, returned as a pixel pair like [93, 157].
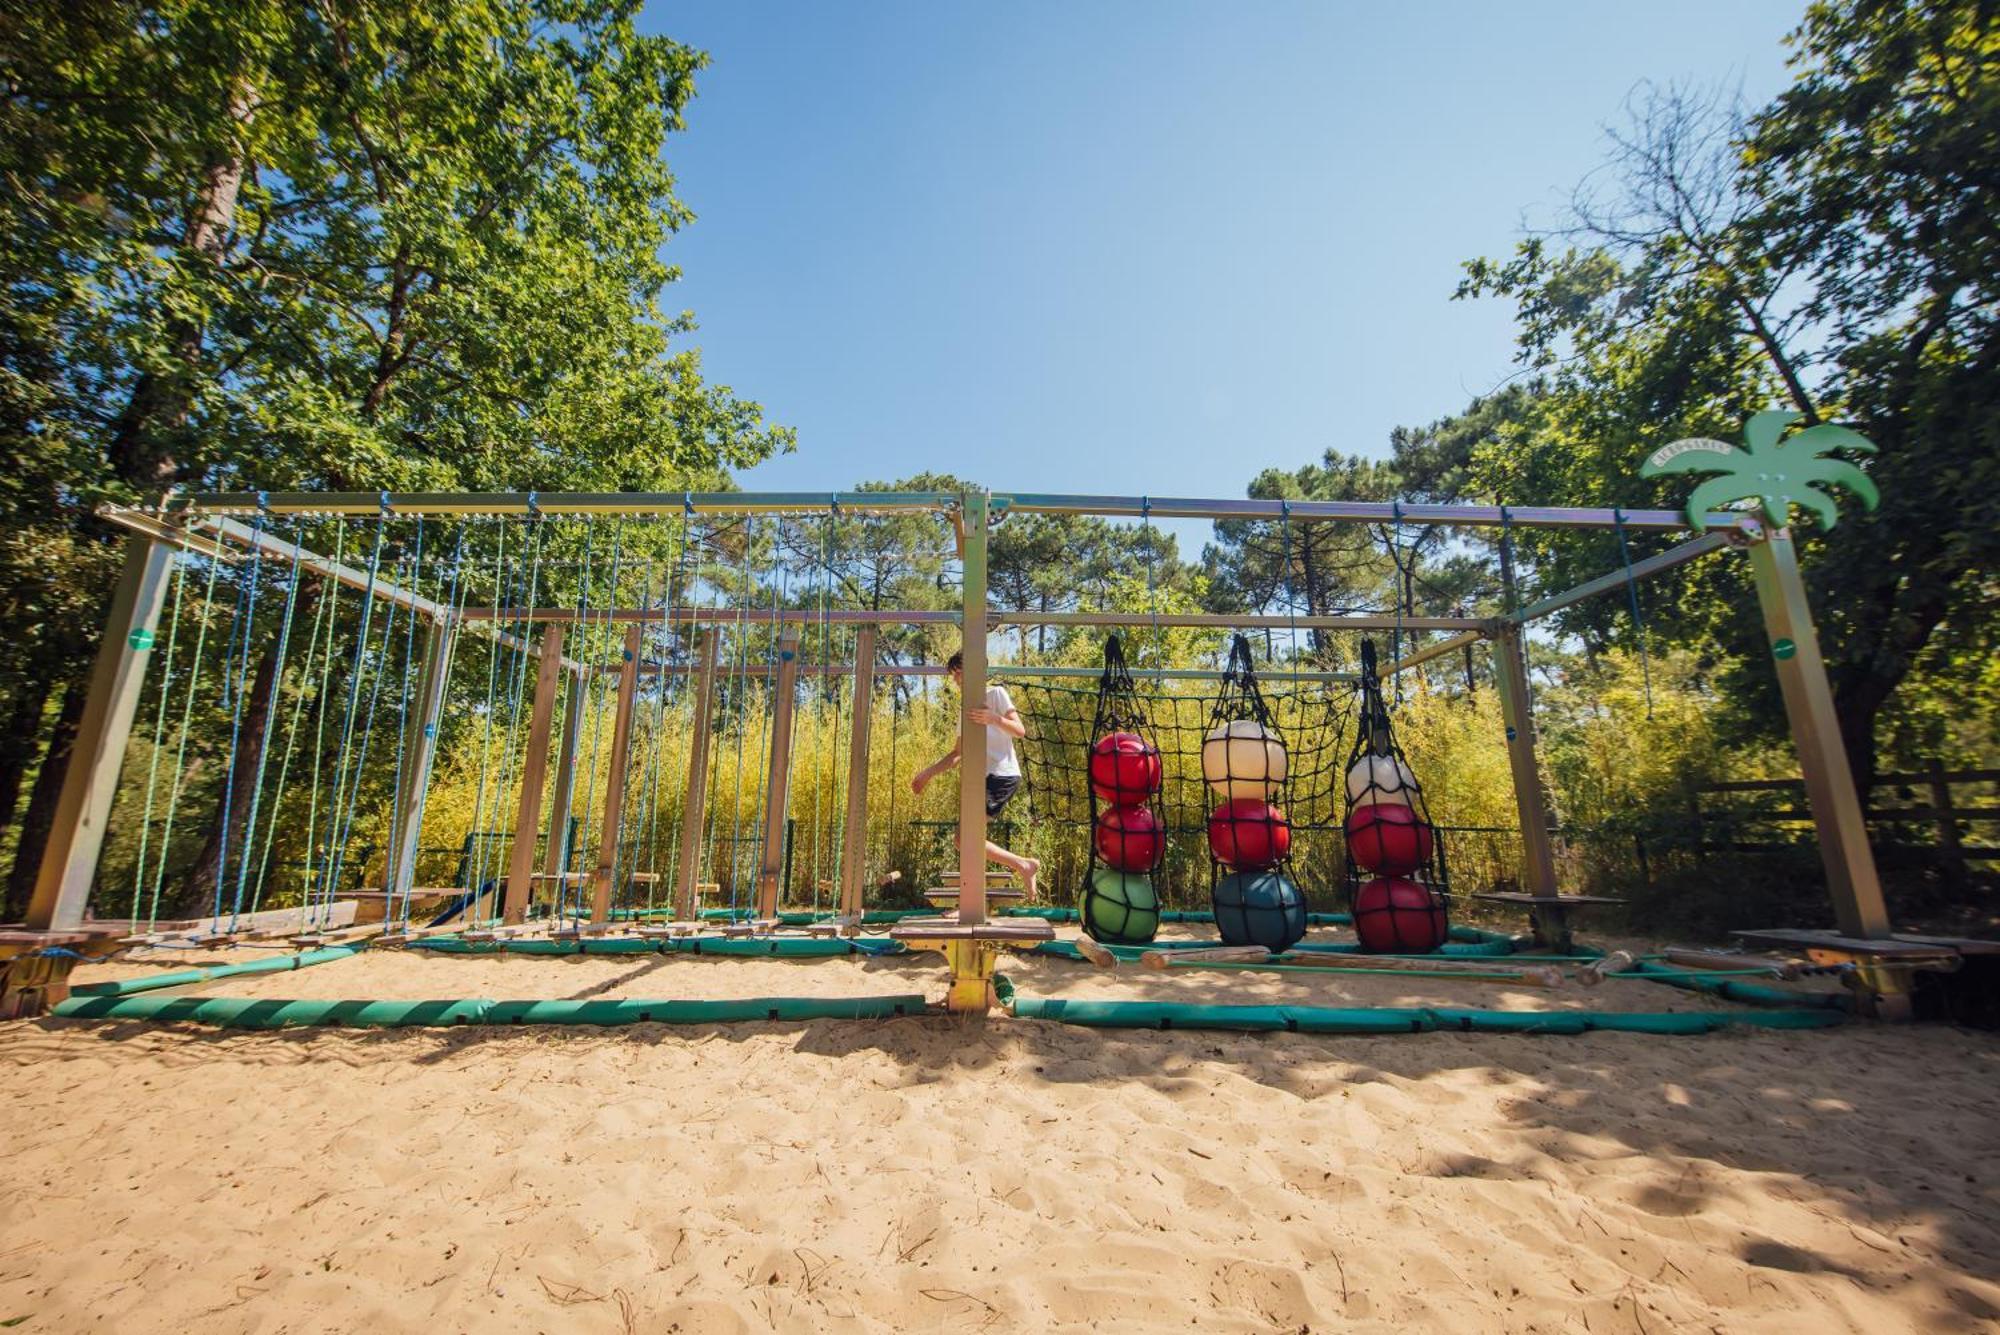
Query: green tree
[1832, 252]
[339, 245]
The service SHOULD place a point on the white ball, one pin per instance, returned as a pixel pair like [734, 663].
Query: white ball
[1243, 759]
[1391, 780]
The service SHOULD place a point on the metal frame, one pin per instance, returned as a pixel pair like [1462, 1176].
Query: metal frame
[206, 523]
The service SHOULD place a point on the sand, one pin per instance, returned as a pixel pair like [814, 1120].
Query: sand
[931, 1174]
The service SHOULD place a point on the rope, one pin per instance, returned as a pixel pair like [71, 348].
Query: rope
[246, 614]
[159, 734]
[264, 740]
[1638, 617]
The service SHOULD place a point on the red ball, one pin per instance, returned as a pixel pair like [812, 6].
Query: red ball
[1130, 839]
[1248, 834]
[1398, 917]
[1124, 769]
[1388, 838]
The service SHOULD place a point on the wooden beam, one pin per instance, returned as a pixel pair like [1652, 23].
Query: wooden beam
[534, 768]
[614, 794]
[778, 778]
[971, 735]
[1858, 907]
[854, 834]
[556, 855]
[76, 834]
[693, 811]
[413, 781]
[1510, 662]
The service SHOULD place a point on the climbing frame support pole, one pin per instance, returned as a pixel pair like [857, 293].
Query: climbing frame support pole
[413, 780]
[778, 778]
[1510, 662]
[692, 812]
[556, 854]
[1858, 908]
[614, 793]
[76, 835]
[972, 513]
[534, 769]
[854, 833]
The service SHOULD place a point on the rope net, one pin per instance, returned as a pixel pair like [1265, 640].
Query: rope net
[1308, 723]
[1395, 866]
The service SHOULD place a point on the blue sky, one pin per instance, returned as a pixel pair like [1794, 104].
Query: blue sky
[1133, 247]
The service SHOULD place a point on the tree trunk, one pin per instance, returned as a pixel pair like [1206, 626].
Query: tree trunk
[142, 440]
[23, 738]
[199, 885]
[39, 818]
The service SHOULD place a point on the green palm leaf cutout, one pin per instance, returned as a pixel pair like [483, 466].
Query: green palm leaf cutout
[1775, 471]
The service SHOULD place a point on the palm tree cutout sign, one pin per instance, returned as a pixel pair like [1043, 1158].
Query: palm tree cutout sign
[1776, 473]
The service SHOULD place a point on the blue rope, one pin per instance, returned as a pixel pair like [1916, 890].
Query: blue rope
[246, 612]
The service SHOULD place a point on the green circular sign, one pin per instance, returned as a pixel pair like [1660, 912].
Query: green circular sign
[1783, 649]
[140, 639]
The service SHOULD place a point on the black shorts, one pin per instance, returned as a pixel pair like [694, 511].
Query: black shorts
[999, 788]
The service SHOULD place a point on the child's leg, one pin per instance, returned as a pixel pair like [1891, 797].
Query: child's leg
[1025, 868]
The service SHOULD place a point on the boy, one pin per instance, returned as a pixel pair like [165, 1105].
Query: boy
[1003, 772]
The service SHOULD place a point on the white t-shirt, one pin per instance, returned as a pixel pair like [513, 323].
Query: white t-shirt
[999, 742]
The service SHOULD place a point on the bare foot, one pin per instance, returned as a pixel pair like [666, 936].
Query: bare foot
[1030, 869]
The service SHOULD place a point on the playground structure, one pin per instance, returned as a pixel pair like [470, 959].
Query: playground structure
[687, 617]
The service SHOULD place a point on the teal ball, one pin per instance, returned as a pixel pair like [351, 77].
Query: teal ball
[1120, 908]
[1259, 908]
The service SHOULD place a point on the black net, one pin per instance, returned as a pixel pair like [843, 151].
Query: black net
[1128, 837]
[1247, 767]
[1175, 715]
[1396, 876]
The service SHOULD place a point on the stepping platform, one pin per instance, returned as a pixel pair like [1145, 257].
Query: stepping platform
[1526, 900]
[1885, 967]
[1549, 914]
[994, 879]
[948, 894]
[1028, 931]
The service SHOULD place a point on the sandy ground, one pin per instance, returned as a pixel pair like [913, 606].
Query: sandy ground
[929, 1174]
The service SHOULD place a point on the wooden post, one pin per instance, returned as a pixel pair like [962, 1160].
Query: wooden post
[1947, 822]
[534, 767]
[778, 778]
[1510, 664]
[76, 835]
[1836, 808]
[854, 835]
[555, 857]
[692, 812]
[972, 736]
[614, 794]
[413, 783]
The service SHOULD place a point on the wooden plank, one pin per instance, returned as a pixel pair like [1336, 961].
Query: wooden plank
[1618, 961]
[970, 525]
[620, 761]
[854, 834]
[534, 767]
[413, 776]
[1546, 901]
[1027, 929]
[83, 805]
[692, 813]
[1885, 948]
[778, 777]
[1163, 959]
[1531, 802]
[557, 852]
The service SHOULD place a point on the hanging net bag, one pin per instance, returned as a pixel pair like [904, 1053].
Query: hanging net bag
[1128, 837]
[1245, 765]
[1396, 881]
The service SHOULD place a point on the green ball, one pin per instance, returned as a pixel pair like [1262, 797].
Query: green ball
[1120, 908]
